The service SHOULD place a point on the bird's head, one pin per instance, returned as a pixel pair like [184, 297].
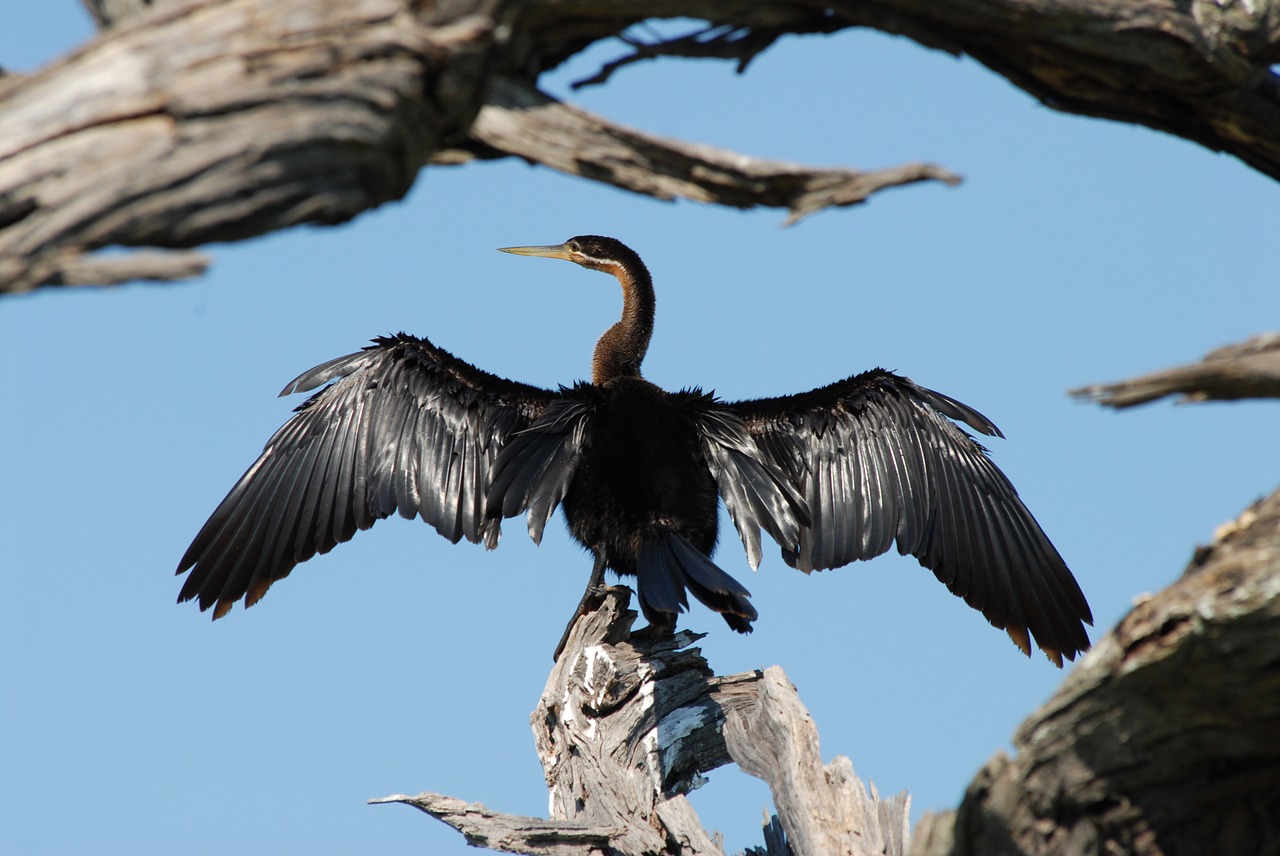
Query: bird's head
[591, 251]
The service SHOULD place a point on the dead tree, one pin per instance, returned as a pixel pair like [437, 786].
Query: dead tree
[625, 728]
[1165, 740]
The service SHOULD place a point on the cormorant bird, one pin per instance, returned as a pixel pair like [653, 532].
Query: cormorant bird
[832, 475]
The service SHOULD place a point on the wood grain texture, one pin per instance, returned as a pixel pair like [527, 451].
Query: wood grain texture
[519, 120]
[824, 809]
[1199, 69]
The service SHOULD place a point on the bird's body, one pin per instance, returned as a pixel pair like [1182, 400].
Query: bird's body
[651, 473]
[833, 475]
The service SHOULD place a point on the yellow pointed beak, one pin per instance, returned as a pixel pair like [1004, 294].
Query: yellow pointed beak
[559, 251]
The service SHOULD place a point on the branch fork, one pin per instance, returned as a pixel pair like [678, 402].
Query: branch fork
[627, 726]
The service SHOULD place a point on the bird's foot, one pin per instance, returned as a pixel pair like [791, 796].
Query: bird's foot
[591, 600]
[652, 633]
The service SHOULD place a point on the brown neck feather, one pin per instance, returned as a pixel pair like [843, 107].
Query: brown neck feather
[622, 347]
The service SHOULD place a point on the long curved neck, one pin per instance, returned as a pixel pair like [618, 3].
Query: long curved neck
[622, 347]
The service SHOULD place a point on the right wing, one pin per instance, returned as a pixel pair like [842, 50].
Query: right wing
[877, 460]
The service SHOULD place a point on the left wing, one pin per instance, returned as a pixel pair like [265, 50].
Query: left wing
[877, 459]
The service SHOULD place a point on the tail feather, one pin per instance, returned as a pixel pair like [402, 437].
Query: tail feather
[668, 565]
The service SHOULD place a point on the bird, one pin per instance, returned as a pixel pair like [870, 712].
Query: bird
[833, 475]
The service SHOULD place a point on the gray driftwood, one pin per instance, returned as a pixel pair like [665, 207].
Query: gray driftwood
[1250, 369]
[627, 726]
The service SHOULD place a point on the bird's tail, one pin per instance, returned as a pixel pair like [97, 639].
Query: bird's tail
[668, 565]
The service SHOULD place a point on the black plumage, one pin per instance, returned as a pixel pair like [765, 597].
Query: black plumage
[832, 475]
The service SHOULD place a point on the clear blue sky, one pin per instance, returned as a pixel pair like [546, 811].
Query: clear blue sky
[1076, 251]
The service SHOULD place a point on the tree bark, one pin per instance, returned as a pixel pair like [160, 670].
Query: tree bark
[1165, 740]
[1200, 69]
[274, 113]
[282, 112]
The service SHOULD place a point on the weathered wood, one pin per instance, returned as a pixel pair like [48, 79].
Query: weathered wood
[281, 112]
[627, 725]
[1250, 369]
[775, 839]
[519, 120]
[610, 731]
[824, 810]
[108, 12]
[272, 113]
[1166, 738]
[1200, 69]
[511, 833]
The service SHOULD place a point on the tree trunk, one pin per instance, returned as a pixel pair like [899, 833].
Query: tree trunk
[1165, 740]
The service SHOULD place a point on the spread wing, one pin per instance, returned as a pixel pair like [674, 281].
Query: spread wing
[757, 491]
[877, 459]
[405, 427]
[534, 469]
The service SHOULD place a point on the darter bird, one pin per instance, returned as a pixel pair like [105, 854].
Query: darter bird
[833, 475]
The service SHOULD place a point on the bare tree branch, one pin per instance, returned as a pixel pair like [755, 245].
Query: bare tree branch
[1200, 69]
[707, 42]
[511, 833]
[1250, 369]
[519, 120]
[1165, 739]
[824, 809]
[76, 268]
[280, 112]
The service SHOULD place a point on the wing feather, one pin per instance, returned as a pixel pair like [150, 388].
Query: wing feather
[881, 461]
[402, 426]
[534, 470]
[758, 491]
